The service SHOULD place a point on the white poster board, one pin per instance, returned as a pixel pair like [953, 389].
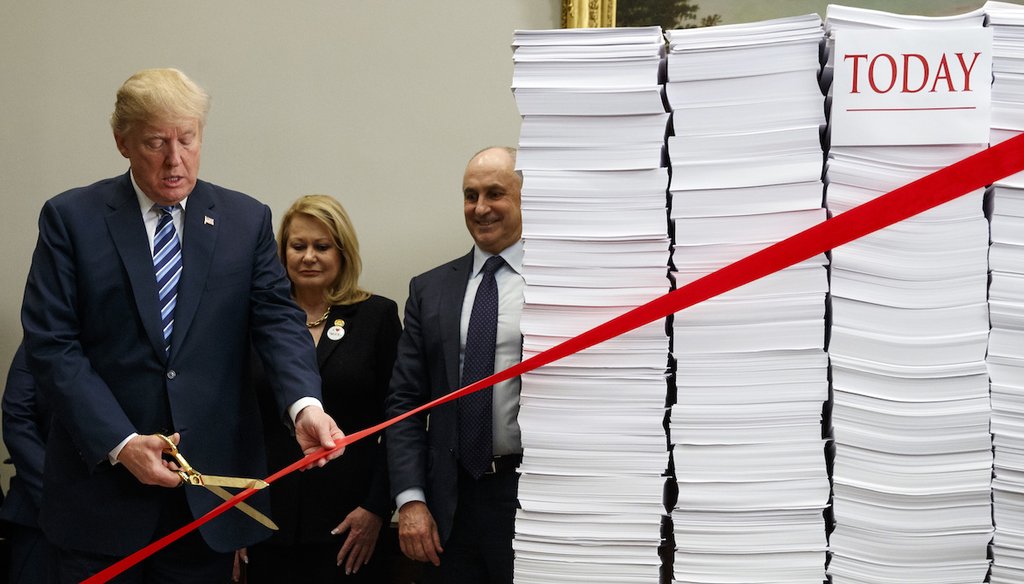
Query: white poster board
[911, 87]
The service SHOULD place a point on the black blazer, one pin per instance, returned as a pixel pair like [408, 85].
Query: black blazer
[355, 370]
[26, 418]
[428, 368]
[95, 348]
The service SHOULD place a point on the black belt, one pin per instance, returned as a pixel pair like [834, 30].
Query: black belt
[503, 464]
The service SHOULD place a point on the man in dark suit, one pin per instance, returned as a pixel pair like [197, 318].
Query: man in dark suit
[122, 359]
[454, 513]
[26, 422]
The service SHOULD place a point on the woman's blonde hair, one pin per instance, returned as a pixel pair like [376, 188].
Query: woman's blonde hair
[329, 212]
[165, 95]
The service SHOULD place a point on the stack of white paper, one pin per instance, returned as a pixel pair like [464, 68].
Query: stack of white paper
[752, 374]
[594, 220]
[840, 17]
[1006, 21]
[590, 98]
[1006, 299]
[912, 465]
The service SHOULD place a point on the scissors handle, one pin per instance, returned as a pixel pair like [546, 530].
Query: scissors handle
[188, 474]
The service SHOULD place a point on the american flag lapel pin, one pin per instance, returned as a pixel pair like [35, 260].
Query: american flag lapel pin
[207, 220]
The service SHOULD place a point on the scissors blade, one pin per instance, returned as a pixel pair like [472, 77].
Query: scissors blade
[233, 482]
[244, 508]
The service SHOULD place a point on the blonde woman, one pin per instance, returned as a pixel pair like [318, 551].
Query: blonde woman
[331, 518]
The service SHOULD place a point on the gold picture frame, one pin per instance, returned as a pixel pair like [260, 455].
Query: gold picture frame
[588, 13]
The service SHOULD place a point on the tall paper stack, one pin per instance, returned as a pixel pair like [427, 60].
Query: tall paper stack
[594, 221]
[912, 468]
[1006, 299]
[751, 368]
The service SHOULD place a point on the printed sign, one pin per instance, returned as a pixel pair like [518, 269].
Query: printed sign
[911, 87]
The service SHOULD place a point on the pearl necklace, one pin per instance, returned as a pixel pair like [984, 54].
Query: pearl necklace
[320, 320]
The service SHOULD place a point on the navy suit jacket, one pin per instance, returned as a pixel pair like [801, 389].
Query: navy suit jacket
[95, 347]
[26, 423]
[427, 368]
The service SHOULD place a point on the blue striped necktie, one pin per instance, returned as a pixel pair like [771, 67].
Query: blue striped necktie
[167, 264]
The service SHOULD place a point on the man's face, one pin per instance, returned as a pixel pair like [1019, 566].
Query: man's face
[164, 158]
[491, 196]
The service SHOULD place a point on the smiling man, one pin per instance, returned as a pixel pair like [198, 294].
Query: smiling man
[145, 294]
[454, 479]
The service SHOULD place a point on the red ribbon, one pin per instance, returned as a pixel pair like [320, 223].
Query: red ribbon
[967, 175]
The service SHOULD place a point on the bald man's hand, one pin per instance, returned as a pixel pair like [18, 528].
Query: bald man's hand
[417, 533]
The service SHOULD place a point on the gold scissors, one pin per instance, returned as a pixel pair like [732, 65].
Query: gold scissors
[213, 483]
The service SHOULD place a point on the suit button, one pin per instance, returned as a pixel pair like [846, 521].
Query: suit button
[172, 374]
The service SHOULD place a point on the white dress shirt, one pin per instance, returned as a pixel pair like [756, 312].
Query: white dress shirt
[506, 435]
[508, 346]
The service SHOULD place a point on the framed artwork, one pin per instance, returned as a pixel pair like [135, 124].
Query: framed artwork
[588, 13]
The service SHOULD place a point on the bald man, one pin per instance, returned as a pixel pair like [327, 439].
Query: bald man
[456, 490]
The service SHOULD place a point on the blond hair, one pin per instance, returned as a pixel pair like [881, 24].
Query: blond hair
[165, 95]
[329, 212]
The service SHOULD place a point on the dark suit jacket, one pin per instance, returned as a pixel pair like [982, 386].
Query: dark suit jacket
[94, 343]
[26, 422]
[355, 370]
[427, 368]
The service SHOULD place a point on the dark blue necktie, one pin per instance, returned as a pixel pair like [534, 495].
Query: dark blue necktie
[167, 264]
[475, 449]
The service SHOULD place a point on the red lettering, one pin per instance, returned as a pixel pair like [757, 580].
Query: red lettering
[913, 71]
[966, 69]
[906, 72]
[942, 72]
[856, 69]
[892, 68]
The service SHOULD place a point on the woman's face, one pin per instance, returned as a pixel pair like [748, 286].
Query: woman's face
[312, 259]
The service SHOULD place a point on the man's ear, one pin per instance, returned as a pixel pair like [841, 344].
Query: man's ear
[121, 146]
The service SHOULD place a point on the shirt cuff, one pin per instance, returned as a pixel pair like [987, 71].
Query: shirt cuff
[295, 408]
[408, 495]
[112, 455]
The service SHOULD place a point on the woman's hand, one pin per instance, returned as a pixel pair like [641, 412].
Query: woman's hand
[363, 527]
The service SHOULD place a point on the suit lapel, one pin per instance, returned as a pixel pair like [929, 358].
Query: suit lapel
[452, 294]
[128, 233]
[325, 347]
[198, 243]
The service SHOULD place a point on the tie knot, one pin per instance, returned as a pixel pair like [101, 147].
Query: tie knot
[165, 209]
[492, 264]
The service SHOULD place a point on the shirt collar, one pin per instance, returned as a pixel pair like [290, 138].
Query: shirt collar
[145, 203]
[513, 256]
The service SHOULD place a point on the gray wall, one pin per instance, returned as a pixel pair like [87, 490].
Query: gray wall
[378, 103]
